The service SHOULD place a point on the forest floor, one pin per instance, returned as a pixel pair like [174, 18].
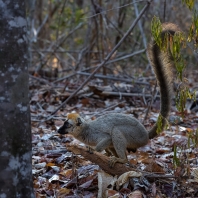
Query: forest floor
[166, 167]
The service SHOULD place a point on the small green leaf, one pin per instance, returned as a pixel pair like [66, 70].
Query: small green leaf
[176, 161]
[159, 123]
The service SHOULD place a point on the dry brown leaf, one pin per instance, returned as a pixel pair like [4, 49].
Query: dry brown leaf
[154, 167]
[195, 175]
[67, 173]
[135, 194]
[50, 164]
[112, 193]
[104, 180]
[125, 177]
[133, 161]
[63, 192]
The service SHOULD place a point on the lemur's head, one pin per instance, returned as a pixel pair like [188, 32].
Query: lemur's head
[71, 124]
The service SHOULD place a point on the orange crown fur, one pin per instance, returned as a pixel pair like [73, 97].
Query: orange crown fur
[72, 116]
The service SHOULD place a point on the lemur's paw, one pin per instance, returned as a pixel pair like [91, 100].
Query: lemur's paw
[114, 160]
[90, 150]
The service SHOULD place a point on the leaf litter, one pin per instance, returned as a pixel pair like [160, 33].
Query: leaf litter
[166, 167]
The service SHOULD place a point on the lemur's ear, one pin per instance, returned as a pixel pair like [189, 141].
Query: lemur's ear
[79, 121]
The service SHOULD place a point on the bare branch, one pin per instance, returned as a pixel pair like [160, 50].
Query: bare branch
[113, 78]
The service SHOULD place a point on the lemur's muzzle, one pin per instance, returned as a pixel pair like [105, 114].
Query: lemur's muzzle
[64, 128]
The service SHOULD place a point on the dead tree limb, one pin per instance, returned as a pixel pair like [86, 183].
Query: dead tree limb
[100, 159]
[103, 161]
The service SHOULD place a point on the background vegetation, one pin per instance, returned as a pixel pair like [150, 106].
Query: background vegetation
[69, 36]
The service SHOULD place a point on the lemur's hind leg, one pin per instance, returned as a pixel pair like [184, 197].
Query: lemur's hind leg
[120, 144]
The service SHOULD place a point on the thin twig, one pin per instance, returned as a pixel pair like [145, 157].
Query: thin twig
[126, 56]
[57, 45]
[107, 57]
[111, 9]
[108, 108]
[39, 79]
[140, 24]
[111, 93]
[114, 78]
[108, 62]
[40, 27]
[59, 18]
[151, 103]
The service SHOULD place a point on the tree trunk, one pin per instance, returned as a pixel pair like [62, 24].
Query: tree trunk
[15, 134]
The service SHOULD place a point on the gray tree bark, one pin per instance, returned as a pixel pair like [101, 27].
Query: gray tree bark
[15, 134]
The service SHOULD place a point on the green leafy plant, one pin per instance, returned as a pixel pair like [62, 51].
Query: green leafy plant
[189, 3]
[156, 29]
[193, 138]
[176, 160]
[181, 97]
[193, 32]
[159, 123]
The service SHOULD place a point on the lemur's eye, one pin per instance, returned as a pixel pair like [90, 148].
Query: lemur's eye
[67, 124]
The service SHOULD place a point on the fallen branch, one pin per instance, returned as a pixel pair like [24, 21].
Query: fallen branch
[100, 159]
[103, 161]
